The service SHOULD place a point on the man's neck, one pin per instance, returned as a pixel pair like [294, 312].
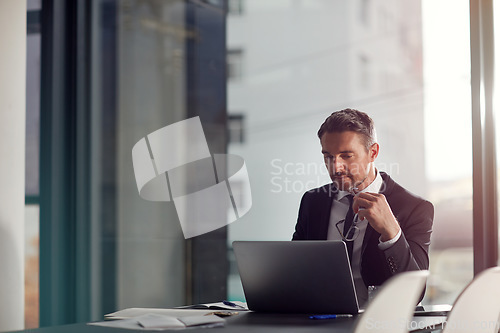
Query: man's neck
[369, 179]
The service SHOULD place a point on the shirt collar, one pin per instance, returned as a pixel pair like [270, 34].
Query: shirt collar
[374, 187]
[376, 184]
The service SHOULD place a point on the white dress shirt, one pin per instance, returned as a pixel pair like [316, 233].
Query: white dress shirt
[340, 206]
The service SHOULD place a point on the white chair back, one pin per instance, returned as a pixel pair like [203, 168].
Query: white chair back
[391, 310]
[477, 308]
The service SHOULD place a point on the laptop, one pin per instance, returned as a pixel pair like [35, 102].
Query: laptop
[311, 277]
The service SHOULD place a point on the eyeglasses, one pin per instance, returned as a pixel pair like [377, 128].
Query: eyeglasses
[353, 231]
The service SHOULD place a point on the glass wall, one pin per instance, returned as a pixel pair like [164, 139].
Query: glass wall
[295, 62]
[119, 72]
[138, 250]
[154, 64]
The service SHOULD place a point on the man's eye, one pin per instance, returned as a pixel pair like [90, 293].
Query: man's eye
[345, 157]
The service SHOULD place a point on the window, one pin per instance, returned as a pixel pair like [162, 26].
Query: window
[236, 128]
[127, 69]
[403, 35]
[364, 72]
[235, 7]
[234, 64]
[417, 135]
[384, 18]
[364, 12]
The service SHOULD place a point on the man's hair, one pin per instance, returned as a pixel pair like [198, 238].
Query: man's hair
[350, 120]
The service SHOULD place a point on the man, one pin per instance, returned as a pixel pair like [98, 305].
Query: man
[386, 228]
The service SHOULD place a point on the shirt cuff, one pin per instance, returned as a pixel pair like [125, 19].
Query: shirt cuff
[387, 244]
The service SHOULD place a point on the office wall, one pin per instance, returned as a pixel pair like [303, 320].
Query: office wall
[12, 148]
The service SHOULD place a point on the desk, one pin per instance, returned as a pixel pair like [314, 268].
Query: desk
[244, 322]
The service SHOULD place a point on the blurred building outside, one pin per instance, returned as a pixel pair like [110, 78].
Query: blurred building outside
[289, 67]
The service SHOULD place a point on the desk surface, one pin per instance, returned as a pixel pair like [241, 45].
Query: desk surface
[244, 322]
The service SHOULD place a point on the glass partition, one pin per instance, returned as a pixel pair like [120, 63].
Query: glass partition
[154, 64]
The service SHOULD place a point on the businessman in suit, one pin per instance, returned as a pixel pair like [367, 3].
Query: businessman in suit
[386, 228]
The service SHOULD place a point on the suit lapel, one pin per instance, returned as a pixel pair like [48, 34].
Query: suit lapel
[386, 190]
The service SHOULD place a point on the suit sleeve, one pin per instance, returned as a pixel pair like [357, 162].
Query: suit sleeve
[301, 226]
[410, 252]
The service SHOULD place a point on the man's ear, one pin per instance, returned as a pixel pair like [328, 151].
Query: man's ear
[374, 149]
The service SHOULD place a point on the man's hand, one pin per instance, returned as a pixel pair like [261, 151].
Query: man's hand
[374, 208]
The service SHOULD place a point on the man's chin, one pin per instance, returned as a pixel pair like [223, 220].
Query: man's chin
[342, 185]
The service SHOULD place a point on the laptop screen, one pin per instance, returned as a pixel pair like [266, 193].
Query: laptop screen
[296, 276]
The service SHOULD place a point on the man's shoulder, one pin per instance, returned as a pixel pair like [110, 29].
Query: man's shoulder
[319, 197]
[327, 191]
[391, 189]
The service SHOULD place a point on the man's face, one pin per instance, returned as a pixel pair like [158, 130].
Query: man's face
[347, 160]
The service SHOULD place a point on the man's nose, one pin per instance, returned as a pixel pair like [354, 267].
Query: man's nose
[337, 166]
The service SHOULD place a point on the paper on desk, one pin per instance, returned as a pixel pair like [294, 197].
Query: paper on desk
[211, 320]
[130, 323]
[135, 312]
[161, 322]
[238, 306]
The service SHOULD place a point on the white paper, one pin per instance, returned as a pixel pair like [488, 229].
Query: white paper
[156, 322]
[153, 320]
[135, 312]
[238, 306]
[202, 320]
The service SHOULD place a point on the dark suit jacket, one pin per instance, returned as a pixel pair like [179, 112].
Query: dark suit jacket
[409, 253]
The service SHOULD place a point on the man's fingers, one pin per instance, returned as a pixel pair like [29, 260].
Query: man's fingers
[365, 200]
[367, 196]
[361, 202]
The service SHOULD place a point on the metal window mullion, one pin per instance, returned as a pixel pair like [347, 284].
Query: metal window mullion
[52, 254]
[485, 221]
[82, 157]
[64, 227]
